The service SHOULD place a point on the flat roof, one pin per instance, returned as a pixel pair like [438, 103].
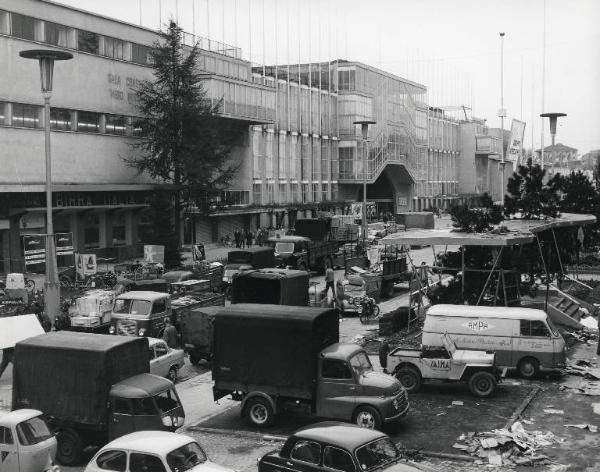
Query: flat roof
[472, 311]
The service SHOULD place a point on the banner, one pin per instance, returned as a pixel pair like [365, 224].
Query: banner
[154, 253]
[515, 145]
[64, 244]
[86, 264]
[356, 210]
[34, 249]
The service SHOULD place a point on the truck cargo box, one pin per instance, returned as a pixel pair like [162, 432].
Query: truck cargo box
[196, 327]
[68, 375]
[272, 286]
[271, 348]
[315, 229]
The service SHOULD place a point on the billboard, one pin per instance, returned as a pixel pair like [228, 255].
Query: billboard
[515, 145]
[34, 250]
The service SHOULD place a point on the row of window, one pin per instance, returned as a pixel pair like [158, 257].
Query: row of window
[31, 116]
[264, 194]
[33, 29]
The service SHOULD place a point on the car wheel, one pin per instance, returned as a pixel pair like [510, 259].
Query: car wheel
[410, 378]
[69, 447]
[529, 368]
[258, 412]
[482, 384]
[173, 374]
[367, 417]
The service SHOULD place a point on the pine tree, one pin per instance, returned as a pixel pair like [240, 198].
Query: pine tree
[161, 208]
[184, 141]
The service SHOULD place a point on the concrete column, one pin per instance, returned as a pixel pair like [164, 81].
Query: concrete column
[16, 263]
[76, 227]
[131, 228]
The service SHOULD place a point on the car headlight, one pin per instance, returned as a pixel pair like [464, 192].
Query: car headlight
[142, 332]
[111, 330]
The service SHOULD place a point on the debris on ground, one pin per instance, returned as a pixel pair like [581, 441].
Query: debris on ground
[585, 336]
[552, 411]
[590, 323]
[581, 386]
[458, 403]
[508, 447]
[590, 427]
[596, 408]
[583, 368]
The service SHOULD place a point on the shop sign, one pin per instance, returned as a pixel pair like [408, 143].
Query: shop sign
[154, 253]
[34, 249]
[86, 264]
[64, 244]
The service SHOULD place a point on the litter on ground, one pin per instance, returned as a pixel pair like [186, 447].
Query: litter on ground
[590, 427]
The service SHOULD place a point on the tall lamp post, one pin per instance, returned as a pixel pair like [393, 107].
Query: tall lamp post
[553, 119]
[364, 127]
[502, 114]
[46, 58]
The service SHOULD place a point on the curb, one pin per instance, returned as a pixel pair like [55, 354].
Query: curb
[441, 455]
[522, 407]
[238, 434]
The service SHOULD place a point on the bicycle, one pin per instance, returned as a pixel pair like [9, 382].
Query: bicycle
[367, 309]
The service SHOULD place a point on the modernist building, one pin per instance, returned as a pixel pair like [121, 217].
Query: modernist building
[298, 150]
[558, 159]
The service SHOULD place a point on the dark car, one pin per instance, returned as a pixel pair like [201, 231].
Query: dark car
[336, 446]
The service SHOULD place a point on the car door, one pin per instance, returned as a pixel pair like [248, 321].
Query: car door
[335, 458]
[142, 462]
[161, 351]
[305, 456]
[121, 418]
[9, 451]
[110, 460]
[336, 390]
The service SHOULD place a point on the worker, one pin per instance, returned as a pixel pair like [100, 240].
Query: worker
[329, 279]
[170, 334]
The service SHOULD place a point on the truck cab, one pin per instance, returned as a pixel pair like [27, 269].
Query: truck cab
[26, 443]
[349, 388]
[290, 250]
[140, 313]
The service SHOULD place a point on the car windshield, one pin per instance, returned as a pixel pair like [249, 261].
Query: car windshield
[167, 401]
[361, 363]
[284, 248]
[132, 307]
[186, 457]
[377, 453]
[33, 431]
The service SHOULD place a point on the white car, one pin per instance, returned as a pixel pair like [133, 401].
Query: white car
[155, 451]
[165, 361]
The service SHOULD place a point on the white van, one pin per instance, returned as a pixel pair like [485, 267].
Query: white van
[523, 338]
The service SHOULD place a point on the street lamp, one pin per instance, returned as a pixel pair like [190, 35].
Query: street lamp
[46, 58]
[364, 126]
[553, 119]
[502, 114]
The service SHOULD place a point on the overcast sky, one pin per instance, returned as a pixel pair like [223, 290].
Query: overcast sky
[451, 46]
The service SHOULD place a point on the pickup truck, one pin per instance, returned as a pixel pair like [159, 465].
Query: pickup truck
[312, 372]
[413, 366]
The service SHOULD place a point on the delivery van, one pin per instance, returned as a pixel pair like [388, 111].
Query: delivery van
[522, 338]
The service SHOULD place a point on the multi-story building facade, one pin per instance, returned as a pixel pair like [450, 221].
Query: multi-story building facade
[298, 147]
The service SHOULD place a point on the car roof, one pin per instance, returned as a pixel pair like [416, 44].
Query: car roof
[142, 295]
[153, 442]
[338, 434]
[18, 416]
[471, 311]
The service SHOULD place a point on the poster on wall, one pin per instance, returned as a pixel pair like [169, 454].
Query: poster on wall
[402, 200]
[154, 253]
[86, 264]
[34, 251]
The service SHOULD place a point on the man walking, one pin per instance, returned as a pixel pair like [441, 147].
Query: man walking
[329, 279]
[170, 334]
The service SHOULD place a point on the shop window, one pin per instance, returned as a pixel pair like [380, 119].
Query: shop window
[315, 192]
[56, 34]
[88, 41]
[114, 48]
[88, 122]
[60, 119]
[115, 124]
[140, 54]
[26, 116]
[22, 26]
[91, 237]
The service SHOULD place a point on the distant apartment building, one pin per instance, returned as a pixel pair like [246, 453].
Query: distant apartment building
[558, 159]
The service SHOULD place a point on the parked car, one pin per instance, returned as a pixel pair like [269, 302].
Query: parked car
[153, 451]
[26, 443]
[336, 446]
[165, 361]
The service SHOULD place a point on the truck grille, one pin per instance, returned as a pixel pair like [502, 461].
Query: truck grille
[401, 401]
[126, 328]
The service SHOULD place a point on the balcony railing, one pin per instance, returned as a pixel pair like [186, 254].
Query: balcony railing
[212, 45]
[487, 145]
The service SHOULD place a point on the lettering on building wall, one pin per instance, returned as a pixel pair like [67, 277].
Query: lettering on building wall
[122, 90]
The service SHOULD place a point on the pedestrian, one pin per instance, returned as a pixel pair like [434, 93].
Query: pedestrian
[170, 334]
[242, 239]
[7, 356]
[236, 236]
[329, 279]
[259, 236]
[248, 238]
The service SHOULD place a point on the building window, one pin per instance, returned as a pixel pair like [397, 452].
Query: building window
[283, 196]
[346, 80]
[88, 41]
[324, 192]
[137, 128]
[270, 194]
[140, 54]
[114, 48]
[2, 113]
[56, 34]
[294, 191]
[257, 194]
[60, 119]
[315, 192]
[88, 122]
[305, 193]
[22, 26]
[25, 115]
[115, 124]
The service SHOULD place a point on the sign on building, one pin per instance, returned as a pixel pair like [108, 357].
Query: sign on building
[515, 145]
[154, 253]
[64, 244]
[34, 249]
[86, 264]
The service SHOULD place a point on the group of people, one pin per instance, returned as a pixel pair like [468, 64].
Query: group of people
[244, 238]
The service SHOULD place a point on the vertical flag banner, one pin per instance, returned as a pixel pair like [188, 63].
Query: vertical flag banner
[515, 145]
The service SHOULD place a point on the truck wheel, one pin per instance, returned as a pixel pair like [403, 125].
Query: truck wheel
[529, 368]
[410, 378]
[258, 412]
[173, 374]
[367, 417]
[482, 384]
[70, 447]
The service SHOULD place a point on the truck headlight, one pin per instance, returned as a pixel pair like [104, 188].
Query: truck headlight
[142, 332]
[167, 421]
[111, 330]
[396, 403]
